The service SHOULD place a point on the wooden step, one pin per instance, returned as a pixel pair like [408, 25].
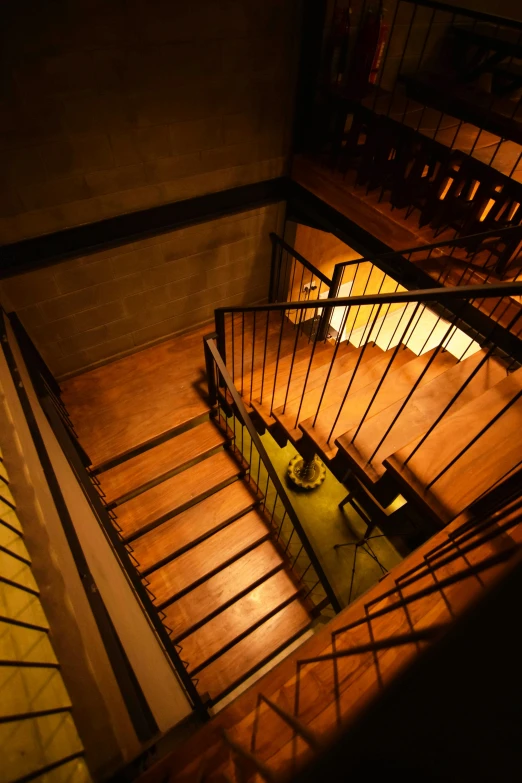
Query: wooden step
[133, 401]
[216, 593]
[396, 386]
[345, 360]
[494, 454]
[420, 413]
[249, 611]
[320, 363]
[172, 496]
[159, 462]
[239, 360]
[193, 525]
[212, 554]
[227, 671]
[337, 384]
[365, 374]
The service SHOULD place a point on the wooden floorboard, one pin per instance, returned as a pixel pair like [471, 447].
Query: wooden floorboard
[160, 461]
[222, 588]
[232, 667]
[211, 554]
[227, 626]
[127, 403]
[192, 525]
[172, 495]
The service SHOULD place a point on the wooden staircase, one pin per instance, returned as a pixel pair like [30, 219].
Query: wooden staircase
[193, 521]
[287, 719]
[410, 382]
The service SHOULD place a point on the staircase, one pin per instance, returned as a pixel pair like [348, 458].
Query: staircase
[287, 719]
[193, 519]
[405, 400]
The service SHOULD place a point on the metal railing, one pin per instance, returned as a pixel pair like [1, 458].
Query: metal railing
[261, 345]
[231, 416]
[413, 135]
[47, 391]
[463, 260]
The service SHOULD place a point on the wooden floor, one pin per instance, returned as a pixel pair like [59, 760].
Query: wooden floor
[198, 530]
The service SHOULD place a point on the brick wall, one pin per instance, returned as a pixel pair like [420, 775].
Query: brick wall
[116, 106]
[86, 310]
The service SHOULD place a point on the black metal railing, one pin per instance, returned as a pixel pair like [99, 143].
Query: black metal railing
[419, 127]
[464, 260]
[262, 347]
[231, 416]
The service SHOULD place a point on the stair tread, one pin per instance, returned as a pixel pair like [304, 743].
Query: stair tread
[301, 360]
[199, 562]
[137, 514]
[421, 411]
[344, 362]
[496, 452]
[262, 644]
[210, 596]
[192, 525]
[159, 461]
[121, 406]
[366, 375]
[236, 620]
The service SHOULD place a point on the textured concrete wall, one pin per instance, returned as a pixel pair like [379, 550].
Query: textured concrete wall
[116, 106]
[86, 310]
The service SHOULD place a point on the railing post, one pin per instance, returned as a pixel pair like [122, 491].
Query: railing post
[272, 292]
[219, 320]
[324, 321]
[210, 367]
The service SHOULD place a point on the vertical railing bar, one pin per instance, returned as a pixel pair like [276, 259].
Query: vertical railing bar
[252, 357]
[242, 351]
[337, 344]
[474, 440]
[233, 349]
[410, 394]
[385, 58]
[277, 360]
[301, 315]
[466, 383]
[385, 373]
[351, 381]
[402, 57]
[264, 358]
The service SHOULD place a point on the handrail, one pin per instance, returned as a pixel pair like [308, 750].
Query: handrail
[401, 297]
[211, 348]
[302, 260]
[455, 242]
[494, 19]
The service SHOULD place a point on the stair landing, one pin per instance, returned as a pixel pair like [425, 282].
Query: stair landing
[199, 537]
